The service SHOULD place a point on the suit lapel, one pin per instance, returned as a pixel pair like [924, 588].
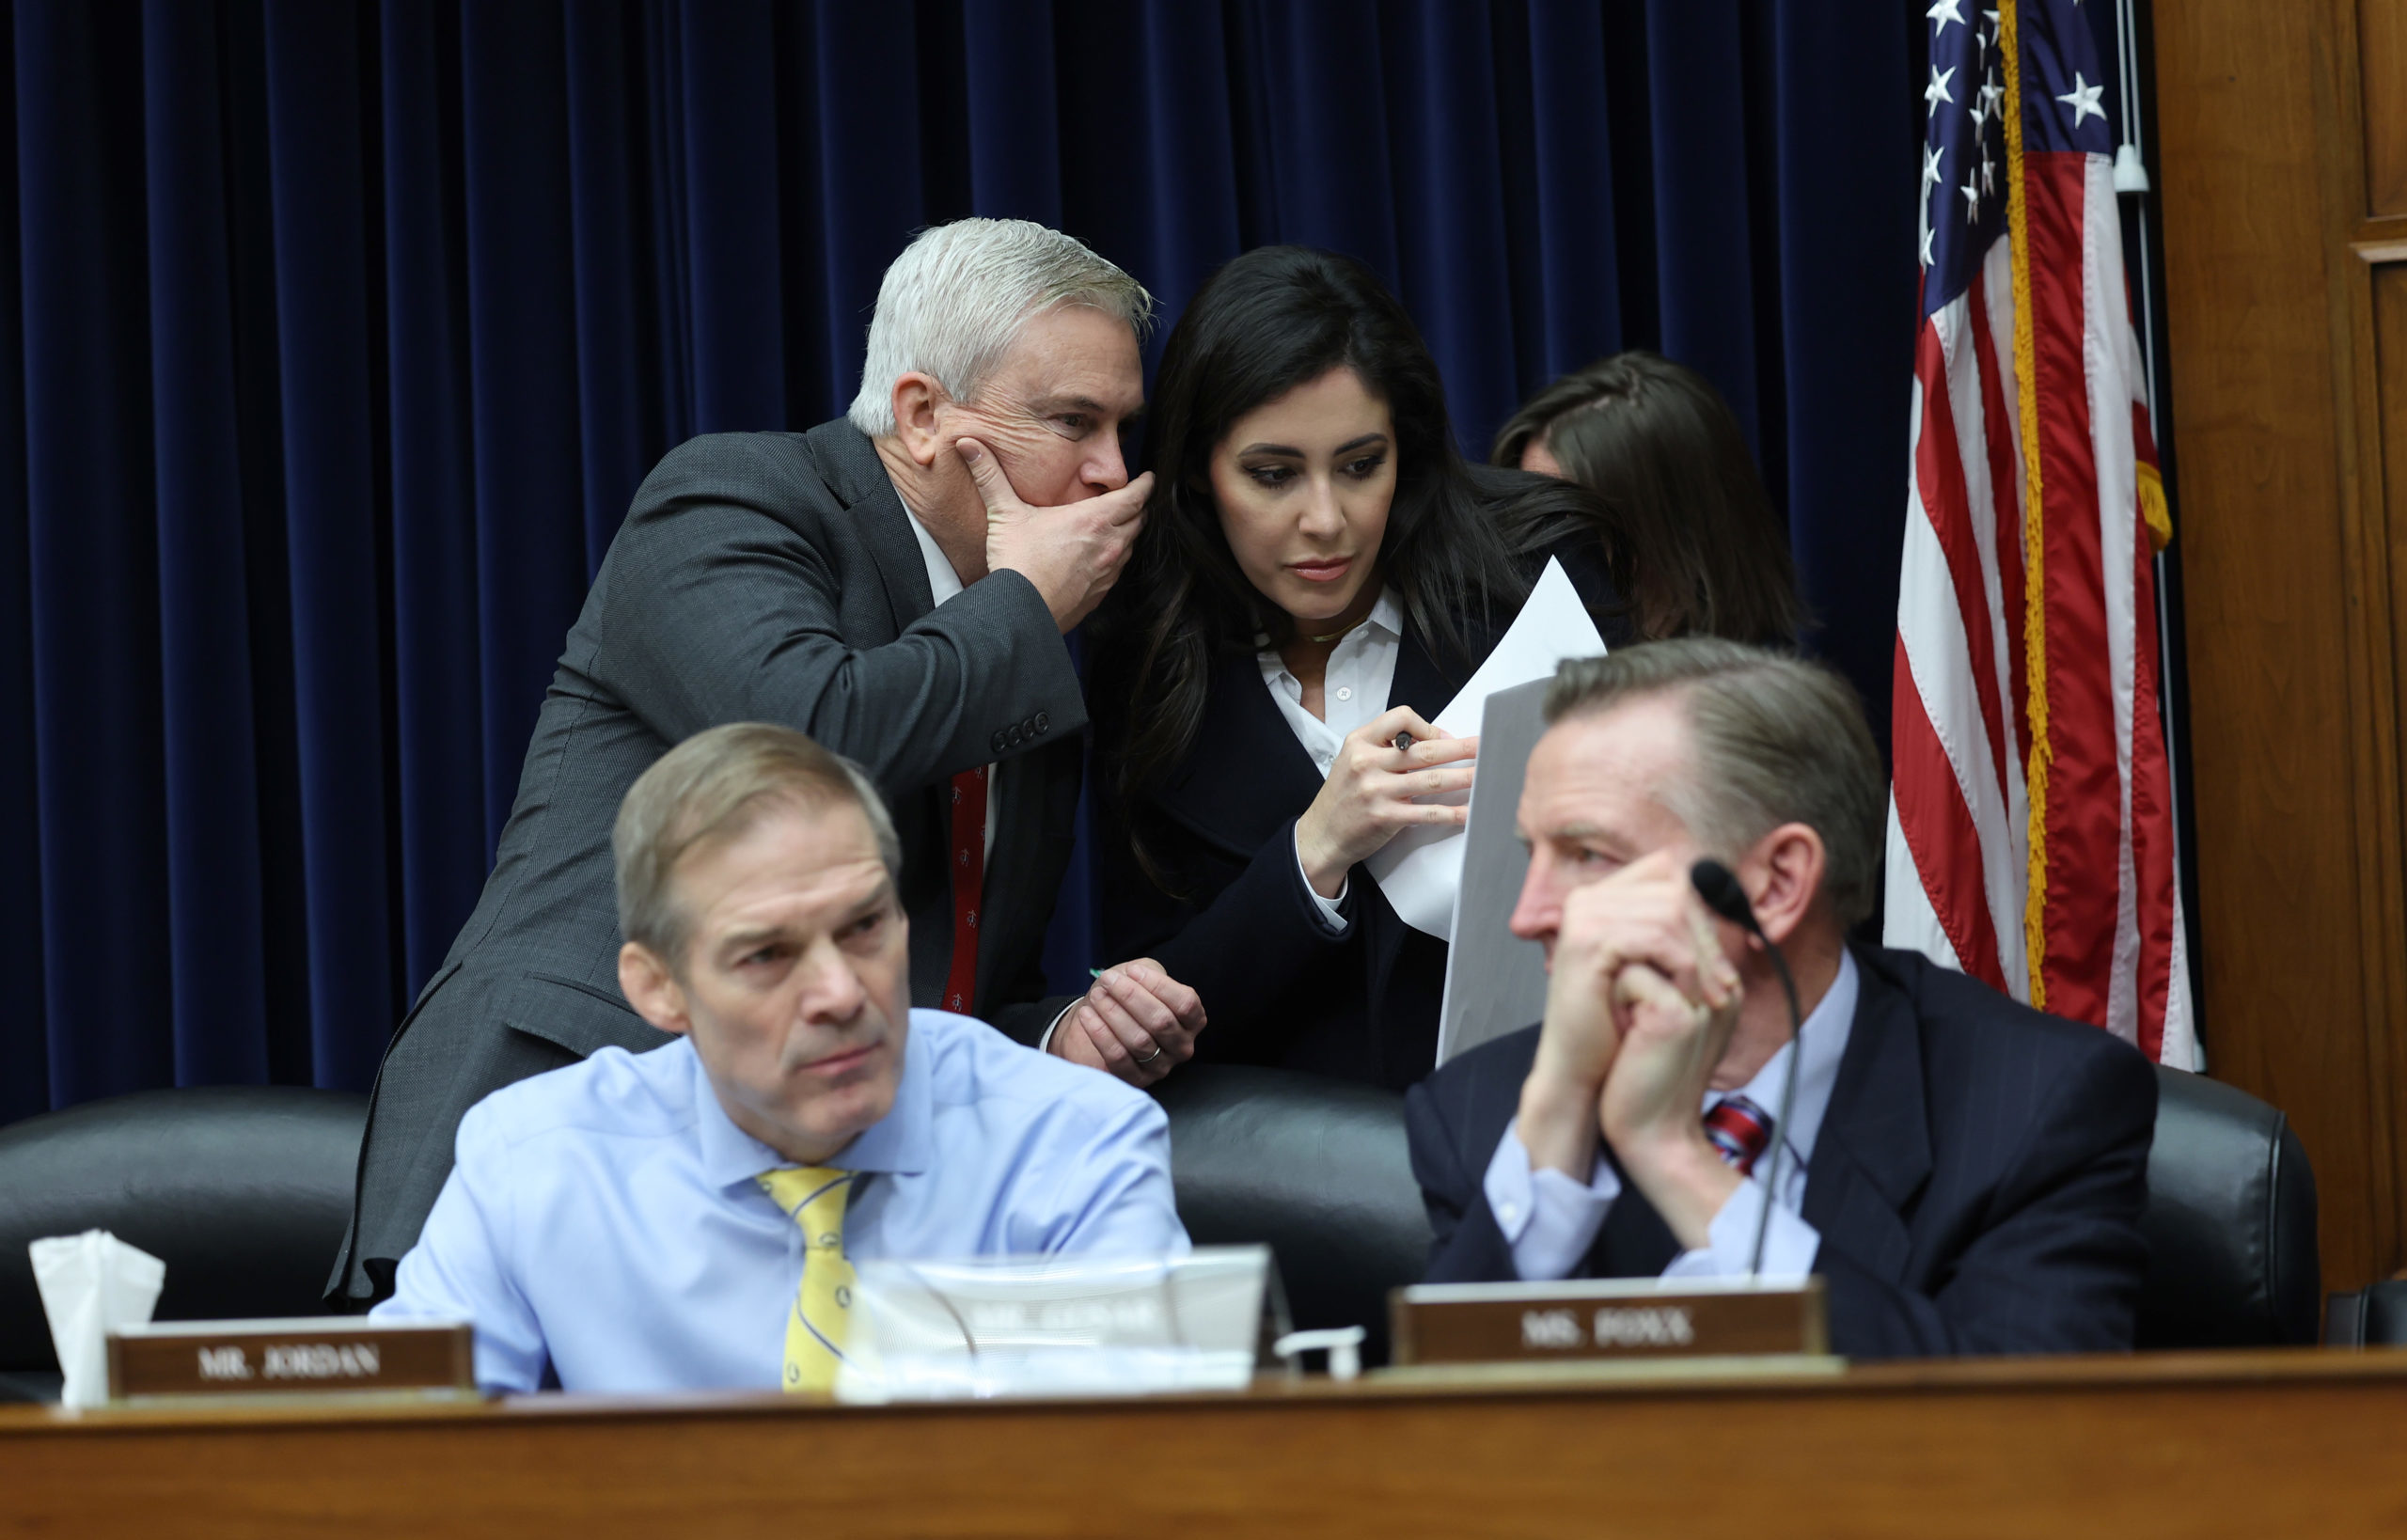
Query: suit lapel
[1874, 1153]
[1247, 774]
[1418, 683]
[853, 471]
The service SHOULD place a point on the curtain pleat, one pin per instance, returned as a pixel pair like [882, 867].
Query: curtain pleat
[25, 1073]
[338, 531]
[336, 335]
[531, 557]
[212, 855]
[730, 96]
[92, 554]
[442, 776]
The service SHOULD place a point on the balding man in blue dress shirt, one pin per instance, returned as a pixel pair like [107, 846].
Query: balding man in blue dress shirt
[689, 1218]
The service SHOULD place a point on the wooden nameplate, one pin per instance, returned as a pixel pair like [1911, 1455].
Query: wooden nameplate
[1608, 1318]
[310, 1355]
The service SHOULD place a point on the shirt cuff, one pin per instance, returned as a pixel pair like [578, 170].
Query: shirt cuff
[1549, 1219]
[1045, 1044]
[1332, 914]
[1790, 1245]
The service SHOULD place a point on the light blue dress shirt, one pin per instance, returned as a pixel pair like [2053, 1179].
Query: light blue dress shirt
[603, 1218]
[1550, 1221]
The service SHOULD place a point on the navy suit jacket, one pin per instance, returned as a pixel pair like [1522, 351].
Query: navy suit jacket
[1242, 928]
[1977, 1181]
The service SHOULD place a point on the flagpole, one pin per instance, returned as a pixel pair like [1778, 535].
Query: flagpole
[2132, 180]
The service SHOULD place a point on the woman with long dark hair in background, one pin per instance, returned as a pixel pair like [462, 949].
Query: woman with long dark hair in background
[1319, 571]
[1690, 539]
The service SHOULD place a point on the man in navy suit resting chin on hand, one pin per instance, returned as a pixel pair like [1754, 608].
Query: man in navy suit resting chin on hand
[1967, 1174]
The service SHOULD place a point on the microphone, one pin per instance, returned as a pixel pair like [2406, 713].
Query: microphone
[1718, 885]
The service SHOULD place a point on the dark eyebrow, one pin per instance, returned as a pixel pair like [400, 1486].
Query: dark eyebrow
[1293, 454]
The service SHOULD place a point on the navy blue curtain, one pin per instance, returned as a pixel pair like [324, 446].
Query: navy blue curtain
[335, 336]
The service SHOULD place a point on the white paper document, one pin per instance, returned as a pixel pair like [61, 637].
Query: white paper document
[1420, 870]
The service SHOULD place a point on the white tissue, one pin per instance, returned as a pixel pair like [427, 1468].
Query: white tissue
[92, 1285]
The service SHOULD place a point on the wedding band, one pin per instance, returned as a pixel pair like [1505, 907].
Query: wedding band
[1149, 1057]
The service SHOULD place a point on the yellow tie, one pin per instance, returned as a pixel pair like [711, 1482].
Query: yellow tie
[813, 1197]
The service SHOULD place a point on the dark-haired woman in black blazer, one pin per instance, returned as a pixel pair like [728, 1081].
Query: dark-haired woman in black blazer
[1318, 574]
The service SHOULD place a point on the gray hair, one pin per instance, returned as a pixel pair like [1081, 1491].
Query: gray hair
[708, 791]
[955, 301]
[1773, 739]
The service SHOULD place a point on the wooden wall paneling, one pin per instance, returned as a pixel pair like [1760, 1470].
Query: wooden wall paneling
[2384, 452]
[2292, 728]
[2374, 608]
[2381, 73]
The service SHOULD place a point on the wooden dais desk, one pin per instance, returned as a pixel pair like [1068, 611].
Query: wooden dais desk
[2255, 1444]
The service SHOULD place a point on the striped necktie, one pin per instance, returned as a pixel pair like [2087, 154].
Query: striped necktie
[813, 1197]
[1739, 1130]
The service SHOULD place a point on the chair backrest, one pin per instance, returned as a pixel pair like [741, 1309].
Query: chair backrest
[2230, 1222]
[1314, 1167]
[2373, 1316]
[1318, 1169]
[242, 1191]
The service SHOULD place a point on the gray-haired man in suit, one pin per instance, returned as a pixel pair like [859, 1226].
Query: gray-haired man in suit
[1965, 1173]
[895, 585]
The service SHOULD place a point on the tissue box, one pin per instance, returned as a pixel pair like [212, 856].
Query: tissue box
[312, 1355]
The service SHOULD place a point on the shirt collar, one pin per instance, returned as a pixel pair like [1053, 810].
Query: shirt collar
[943, 582]
[901, 1142]
[1822, 1039]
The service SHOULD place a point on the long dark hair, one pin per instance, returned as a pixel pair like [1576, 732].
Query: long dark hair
[1691, 540]
[1274, 319]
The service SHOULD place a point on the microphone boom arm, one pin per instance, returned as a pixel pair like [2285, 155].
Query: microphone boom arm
[1718, 885]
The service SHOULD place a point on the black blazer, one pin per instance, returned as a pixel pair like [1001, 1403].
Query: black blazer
[1243, 932]
[1977, 1182]
[758, 578]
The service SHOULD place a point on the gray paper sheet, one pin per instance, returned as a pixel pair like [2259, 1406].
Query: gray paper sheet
[1495, 981]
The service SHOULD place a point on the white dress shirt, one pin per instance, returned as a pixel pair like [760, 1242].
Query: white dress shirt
[1550, 1221]
[1354, 689]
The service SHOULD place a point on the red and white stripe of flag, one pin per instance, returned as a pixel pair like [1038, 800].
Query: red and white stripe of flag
[2031, 817]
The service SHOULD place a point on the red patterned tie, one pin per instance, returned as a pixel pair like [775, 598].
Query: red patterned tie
[1739, 1130]
[969, 885]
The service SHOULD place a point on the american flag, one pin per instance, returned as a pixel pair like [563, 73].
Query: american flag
[2031, 839]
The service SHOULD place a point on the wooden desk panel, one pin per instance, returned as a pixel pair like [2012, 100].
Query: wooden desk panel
[2255, 1444]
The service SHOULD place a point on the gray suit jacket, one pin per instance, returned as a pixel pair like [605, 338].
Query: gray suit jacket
[758, 578]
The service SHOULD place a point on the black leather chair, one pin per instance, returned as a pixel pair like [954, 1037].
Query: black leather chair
[1320, 1172]
[242, 1191]
[2230, 1224]
[1317, 1170]
[2372, 1317]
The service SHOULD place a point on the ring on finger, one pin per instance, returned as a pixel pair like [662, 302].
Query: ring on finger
[1146, 1058]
